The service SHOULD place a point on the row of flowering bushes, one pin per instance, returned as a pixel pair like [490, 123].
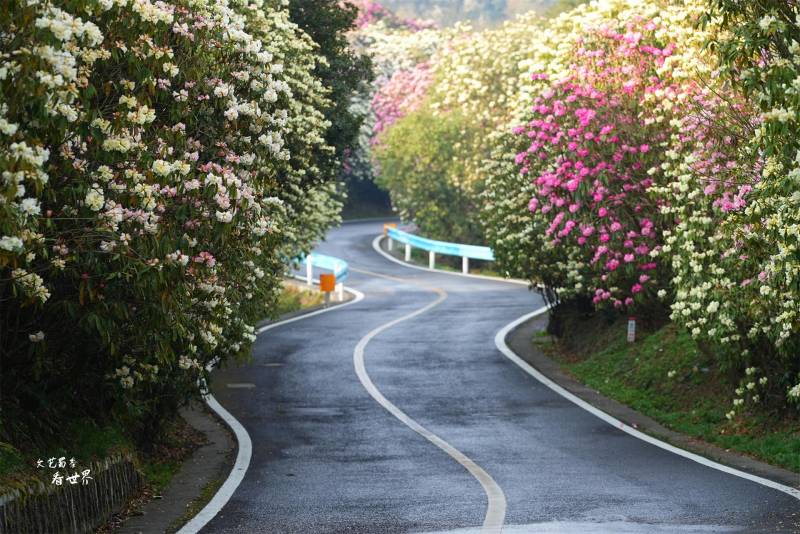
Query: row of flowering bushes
[643, 156]
[400, 50]
[159, 170]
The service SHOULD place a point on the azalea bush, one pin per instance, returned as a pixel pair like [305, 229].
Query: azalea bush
[735, 252]
[592, 161]
[159, 164]
[402, 94]
[518, 237]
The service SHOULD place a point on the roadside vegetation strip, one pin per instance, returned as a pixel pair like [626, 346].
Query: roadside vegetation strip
[668, 376]
[245, 446]
[496, 506]
[500, 342]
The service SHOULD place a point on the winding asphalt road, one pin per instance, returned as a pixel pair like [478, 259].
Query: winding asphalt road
[328, 458]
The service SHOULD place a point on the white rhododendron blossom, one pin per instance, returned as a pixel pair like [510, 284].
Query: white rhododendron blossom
[149, 150]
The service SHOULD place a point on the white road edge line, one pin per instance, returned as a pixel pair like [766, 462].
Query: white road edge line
[496, 507]
[376, 245]
[245, 448]
[500, 342]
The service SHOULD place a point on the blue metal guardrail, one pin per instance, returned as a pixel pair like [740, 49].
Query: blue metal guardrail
[441, 247]
[337, 266]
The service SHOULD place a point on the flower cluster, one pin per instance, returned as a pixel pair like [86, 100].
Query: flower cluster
[592, 159]
[705, 181]
[402, 94]
[158, 173]
[736, 192]
[400, 51]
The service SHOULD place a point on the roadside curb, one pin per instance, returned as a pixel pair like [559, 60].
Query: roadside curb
[244, 445]
[206, 465]
[519, 341]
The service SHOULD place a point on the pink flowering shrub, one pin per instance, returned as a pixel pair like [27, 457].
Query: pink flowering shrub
[401, 52]
[371, 12]
[595, 146]
[402, 94]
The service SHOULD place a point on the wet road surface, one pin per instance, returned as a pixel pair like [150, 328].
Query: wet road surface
[328, 458]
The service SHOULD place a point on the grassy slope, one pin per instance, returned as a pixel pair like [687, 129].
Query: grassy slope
[693, 402]
[294, 298]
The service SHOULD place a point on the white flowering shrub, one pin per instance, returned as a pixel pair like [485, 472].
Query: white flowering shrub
[157, 165]
[736, 193]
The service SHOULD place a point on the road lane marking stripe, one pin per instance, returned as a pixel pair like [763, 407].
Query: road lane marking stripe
[245, 445]
[496, 508]
[376, 245]
[500, 342]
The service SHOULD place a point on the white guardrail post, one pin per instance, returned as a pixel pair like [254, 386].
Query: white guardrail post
[309, 271]
[431, 260]
[408, 252]
[391, 244]
[465, 265]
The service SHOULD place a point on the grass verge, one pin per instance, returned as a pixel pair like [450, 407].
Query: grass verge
[295, 298]
[666, 376]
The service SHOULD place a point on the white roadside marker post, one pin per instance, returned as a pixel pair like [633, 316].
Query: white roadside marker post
[408, 252]
[465, 265]
[309, 271]
[391, 244]
[431, 260]
[631, 329]
[340, 291]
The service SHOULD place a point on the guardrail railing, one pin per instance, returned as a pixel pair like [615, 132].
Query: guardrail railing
[466, 252]
[337, 266]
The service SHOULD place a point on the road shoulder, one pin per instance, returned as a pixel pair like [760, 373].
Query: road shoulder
[206, 468]
[519, 341]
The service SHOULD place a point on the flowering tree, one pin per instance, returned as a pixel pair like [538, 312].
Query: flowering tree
[159, 164]
[737, 194]
[418, 157]
[402, 94]
[400, 51]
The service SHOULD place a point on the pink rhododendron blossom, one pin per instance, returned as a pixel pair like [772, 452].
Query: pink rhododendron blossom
[593, 134]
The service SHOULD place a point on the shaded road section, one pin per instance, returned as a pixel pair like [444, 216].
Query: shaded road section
[327, 458]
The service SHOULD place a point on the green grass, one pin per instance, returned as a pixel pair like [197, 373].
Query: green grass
[693, 402]
[294, 298]
[160, 473]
